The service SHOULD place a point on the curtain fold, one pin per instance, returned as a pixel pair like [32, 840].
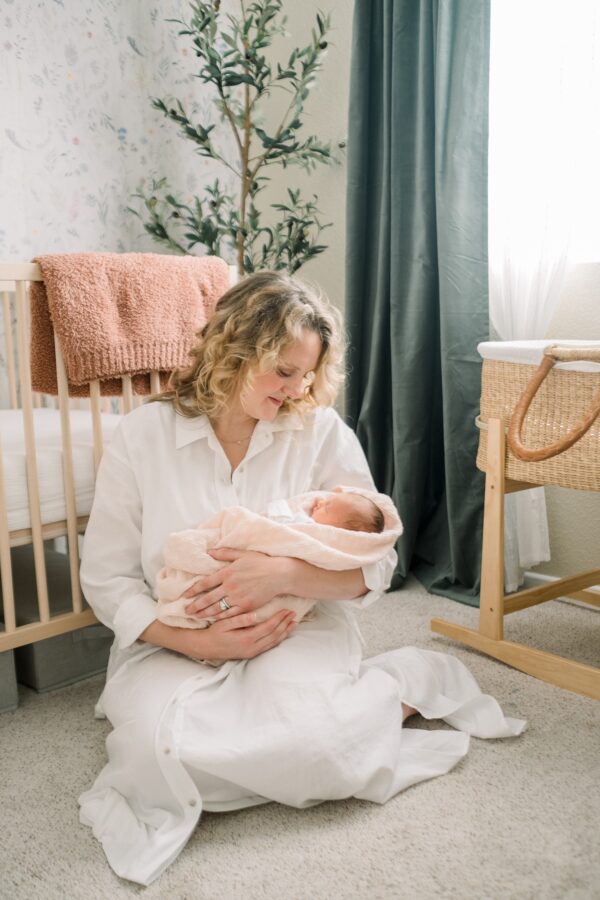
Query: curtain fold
[417, 300]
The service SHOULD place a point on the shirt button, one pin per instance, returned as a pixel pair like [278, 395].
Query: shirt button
[167, 750]
[192, 802]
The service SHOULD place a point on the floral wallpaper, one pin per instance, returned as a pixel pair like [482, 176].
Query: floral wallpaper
[78, 133]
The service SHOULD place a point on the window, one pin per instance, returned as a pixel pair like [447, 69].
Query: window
[544, 155]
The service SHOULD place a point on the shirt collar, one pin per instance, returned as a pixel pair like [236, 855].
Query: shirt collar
[188, 430]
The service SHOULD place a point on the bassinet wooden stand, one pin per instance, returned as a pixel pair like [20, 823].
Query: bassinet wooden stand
[494, 604]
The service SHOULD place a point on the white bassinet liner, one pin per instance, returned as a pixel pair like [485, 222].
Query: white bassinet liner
[530, 353]
[48, 441]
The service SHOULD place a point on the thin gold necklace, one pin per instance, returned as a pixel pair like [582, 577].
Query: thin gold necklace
[240, 441]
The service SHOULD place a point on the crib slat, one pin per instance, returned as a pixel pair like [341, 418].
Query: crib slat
[8, 595]
[127, 393]
[32, 475]
[20, 272]
[10, 351]
[36, 397]
[155, 382]
[60, 624]
[96, 421]
[68, 477]
[22, 536]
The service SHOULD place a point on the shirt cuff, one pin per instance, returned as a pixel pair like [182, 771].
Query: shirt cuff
[373, 581]
[133, 616]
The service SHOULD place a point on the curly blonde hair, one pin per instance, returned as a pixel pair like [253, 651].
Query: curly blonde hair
[251, 325]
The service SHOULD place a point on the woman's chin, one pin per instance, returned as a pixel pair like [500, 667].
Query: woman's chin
[270, 410]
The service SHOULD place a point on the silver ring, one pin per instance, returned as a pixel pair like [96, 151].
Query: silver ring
[224, 604]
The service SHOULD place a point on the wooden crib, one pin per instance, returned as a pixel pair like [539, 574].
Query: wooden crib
[29, 411]
[78, 430]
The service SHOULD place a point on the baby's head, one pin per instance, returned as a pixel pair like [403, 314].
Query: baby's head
[354, 512]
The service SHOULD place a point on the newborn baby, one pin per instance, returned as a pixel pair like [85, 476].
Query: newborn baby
[346, 528]
[355, 512]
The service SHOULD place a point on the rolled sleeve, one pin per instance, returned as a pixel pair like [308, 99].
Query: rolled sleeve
[377, 577]
[133, 616]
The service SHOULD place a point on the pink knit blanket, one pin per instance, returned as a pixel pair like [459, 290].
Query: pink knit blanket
[187, 558]
[119, 314]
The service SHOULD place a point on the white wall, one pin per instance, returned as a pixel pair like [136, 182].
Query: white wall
[574, 516]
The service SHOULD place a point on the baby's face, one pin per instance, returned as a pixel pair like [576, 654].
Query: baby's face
[335, 509]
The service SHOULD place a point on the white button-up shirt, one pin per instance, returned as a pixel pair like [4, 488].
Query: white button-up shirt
[163, 472]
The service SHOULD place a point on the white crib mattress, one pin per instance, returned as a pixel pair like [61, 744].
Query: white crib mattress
[49, 463]
[530, 353]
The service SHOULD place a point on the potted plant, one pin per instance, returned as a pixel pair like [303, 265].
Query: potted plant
[234, 57]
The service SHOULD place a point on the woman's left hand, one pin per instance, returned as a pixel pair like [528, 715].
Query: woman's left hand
[249, 581]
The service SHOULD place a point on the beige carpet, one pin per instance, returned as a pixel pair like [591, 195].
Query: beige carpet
[516, 819]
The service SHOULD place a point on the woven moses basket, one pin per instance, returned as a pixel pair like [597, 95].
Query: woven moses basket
[552, 411]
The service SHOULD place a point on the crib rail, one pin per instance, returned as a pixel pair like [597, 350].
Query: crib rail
[14, 292]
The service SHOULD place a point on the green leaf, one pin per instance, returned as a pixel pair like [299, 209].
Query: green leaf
[231, 79]
[227, 38]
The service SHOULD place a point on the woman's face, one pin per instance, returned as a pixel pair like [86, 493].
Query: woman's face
[264, 395]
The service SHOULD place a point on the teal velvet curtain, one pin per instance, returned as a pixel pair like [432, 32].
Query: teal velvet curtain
[417, 298]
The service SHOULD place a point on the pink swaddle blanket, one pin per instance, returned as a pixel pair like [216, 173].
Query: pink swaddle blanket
[329, 547]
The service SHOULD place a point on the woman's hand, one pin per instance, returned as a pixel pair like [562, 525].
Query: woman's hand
[236, 638]
[249, 581]
[240, 637]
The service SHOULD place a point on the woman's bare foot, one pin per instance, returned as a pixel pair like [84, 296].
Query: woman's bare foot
[408, 711]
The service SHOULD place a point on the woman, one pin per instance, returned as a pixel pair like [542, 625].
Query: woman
[295, 715]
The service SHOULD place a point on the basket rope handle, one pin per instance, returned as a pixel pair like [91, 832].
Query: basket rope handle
[552, 355]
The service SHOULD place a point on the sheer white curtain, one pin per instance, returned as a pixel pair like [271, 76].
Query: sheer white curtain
[544, 91]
